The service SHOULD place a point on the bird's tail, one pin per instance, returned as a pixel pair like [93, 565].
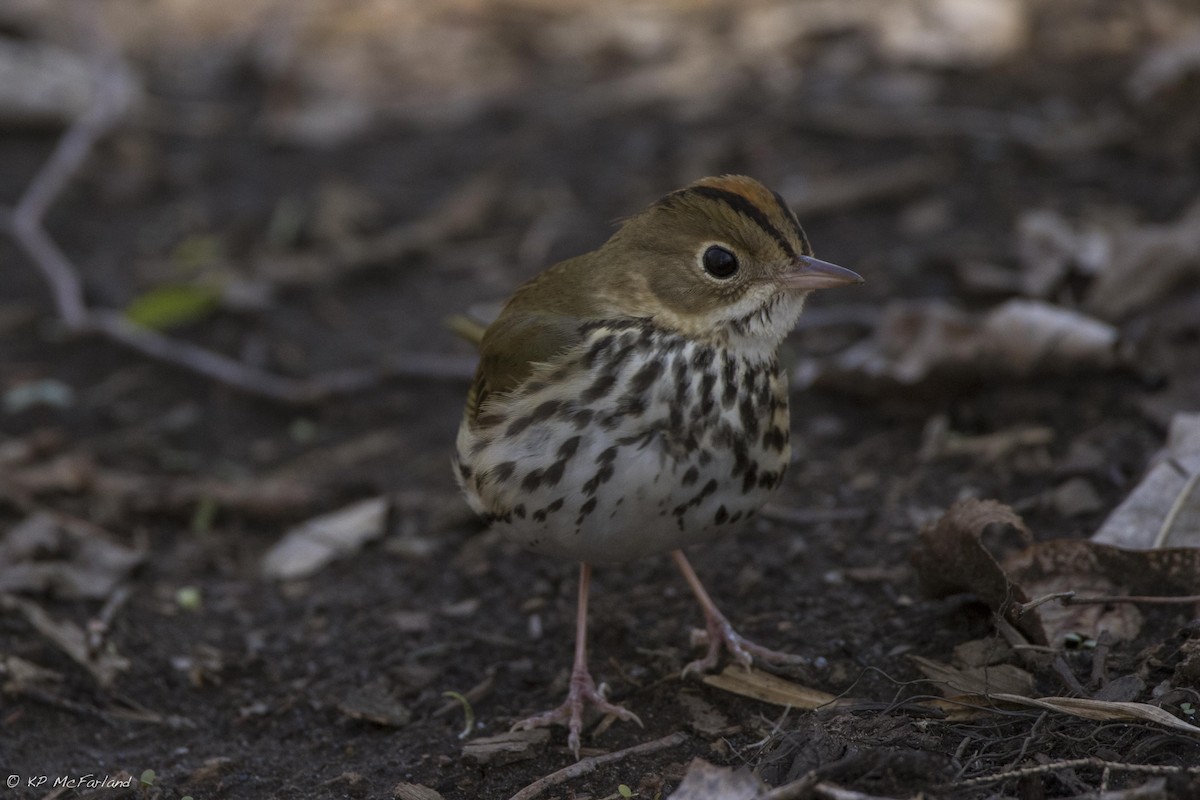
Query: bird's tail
[466, 328]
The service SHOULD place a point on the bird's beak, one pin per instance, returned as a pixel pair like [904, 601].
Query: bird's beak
[807, 273]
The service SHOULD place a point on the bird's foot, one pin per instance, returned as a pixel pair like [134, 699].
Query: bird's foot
[583, 692]
[720, 634]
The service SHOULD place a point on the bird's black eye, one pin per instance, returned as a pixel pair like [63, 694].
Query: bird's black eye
[719, 262]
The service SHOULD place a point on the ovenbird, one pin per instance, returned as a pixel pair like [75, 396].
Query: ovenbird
[630, 400]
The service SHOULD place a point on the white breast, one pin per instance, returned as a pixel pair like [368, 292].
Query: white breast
[653, 453]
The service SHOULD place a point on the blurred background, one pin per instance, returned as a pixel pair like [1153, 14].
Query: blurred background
[301, 188]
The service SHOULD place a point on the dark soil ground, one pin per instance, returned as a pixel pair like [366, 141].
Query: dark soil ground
[256, 690]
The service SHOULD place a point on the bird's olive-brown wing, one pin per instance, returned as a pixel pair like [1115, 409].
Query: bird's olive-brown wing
[512, 347]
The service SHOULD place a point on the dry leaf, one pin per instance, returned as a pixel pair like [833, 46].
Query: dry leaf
[1026, 337]
[507, 747]
[983, 547]
[1101, 710]
[705, 781]
[1174, 571]
[19, 675]
[374, 703]
[768, 688]
[939, 441]
[1130, 265]
[952, 556]
[1088, 568]
[1075, 497]
[703, 716]
[1121, 690]
[42, 84]
[1164, 67]
[414, 791]
[313, 544]
[931, 340]
[104, 665]
[954, 681]
[63, 556]
[968, 706]
[1164, 509]
[1072, 565]
[982, 652]
[961, 33]
[1049, 248]
[1146, 263]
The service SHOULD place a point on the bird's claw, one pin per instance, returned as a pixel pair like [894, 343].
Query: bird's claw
[583, 692]
[720, 634]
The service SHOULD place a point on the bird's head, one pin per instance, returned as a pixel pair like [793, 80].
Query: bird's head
[723, 257]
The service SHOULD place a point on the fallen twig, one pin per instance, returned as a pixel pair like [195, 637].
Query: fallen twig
[253, 380]
[99, 626]
[834, 792]
[24, 222]
[46, 698]
[1104, 644]
[587, 765]
[1021, 609]
[1029, 737]
[806, 788]
[792, 791]
[813, 784]
[1182, 599]
[1072, 599]
[1155, 789]
[1074, 763]
[1064, 673]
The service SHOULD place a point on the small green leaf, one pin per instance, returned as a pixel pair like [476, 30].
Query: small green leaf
[469, 722]
[147, 778]
[188, 598]
[169, 306]
[624, 791]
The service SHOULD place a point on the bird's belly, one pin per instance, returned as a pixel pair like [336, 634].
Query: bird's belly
[641, 501]
[650, 504]
[649, 467]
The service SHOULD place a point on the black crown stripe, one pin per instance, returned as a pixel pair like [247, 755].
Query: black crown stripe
[746, 208]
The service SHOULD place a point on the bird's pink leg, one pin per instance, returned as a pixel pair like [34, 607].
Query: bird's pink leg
[721, 633]
[583, 689]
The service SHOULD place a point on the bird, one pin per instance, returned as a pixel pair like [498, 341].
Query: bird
[630, 401]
